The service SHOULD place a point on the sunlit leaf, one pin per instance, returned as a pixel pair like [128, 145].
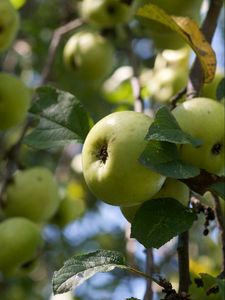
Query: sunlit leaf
[81, 267]
[190, 32]
[63, 119]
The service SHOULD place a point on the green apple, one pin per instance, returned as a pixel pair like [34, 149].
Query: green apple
[106, 13]
[9, 24]
[89, 55]
[167, 82]
[72, 205]
[33, 194]
[15, 99]
[69, 210]
[209, 89]
[203, 118]
[171, 188]
[21, 241]
[164, 37]
[110, 160]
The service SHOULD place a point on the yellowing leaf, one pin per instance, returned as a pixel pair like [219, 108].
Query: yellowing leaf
[190, 32]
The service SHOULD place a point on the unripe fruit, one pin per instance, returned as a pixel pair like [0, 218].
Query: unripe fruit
[32, 194]
[14, 101]
[163, 36]
[9, 23]
[110, 160]
[171, 188]
[106, 13]
[89, 55]
[20, 242]
[69, 210]
[203, 118]
[209, 90]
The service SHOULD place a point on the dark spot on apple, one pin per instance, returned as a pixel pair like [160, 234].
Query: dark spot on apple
[1, 28]
[39, 178]
[103, 154]
[128, 2]
[27, 264]
[111, 9]
[216, 149]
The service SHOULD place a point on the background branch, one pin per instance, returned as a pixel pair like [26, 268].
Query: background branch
[208, 28]
[56, 37]
[183, 262]
[221, 226]
[149, 270]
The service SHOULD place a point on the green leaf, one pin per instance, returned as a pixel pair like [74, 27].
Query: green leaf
[219, 189]
[159, 220]
[81, 267]
[220, 91]
[209, 282]
[163, 157]
[165, 128]
[132, 298]
[63, 119]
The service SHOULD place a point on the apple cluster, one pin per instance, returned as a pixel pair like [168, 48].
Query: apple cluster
[88, 53]
[113, 146]
[31, 197]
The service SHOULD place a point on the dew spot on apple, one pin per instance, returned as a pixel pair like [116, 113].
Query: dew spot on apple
[216, 149]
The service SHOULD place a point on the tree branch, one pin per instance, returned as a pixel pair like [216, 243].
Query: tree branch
[202, 183]
[56, 37]
[149, 270]
[183, 262]
[208, 28]
[221, 226]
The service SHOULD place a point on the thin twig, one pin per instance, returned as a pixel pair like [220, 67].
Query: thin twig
[183, 262]
[11, 163]
[149, 270]
[177, 97]
[221, 226]
[135, 82]
[208, 28]
[56, 37]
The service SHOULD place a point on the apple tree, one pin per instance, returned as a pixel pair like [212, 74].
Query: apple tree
[112, 142]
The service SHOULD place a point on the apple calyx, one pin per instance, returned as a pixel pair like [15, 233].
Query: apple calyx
[216, 149]
[102, 155]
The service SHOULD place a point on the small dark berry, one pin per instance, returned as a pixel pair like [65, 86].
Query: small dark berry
[206, 231]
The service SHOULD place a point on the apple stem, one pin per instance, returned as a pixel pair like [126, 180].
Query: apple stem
[221, 226]
[208, 28]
